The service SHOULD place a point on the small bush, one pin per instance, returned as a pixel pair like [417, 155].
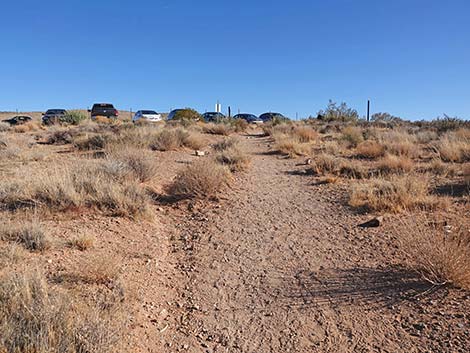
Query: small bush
[291, 146]
[82, 243]
[453, 149]
[234, 159]
[194, 141]
[98, 270]
[352, 135]
[217, 129]
[323, 164]
[352, 169]
[394, 164]
[305, 134]
[370, 149]
[4, 126]
[441, 255]
[399, 193]
[61, 137]
[37, 318]
[10, 255]
[187, 114]
[134, 161]
[73, 117]
[93, 142]
[225, 144]
[240, 125]
[202, 179]
[169, 140]
[27, 127]
[30, 235]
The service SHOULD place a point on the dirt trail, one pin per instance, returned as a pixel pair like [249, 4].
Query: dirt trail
[282, 267]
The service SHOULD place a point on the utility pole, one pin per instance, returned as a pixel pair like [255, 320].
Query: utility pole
[368, 110]
[229, 112]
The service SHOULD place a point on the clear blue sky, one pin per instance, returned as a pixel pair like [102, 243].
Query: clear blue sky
[410, 57]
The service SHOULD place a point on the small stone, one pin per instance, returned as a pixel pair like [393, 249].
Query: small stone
[373, 223]
[199, 153]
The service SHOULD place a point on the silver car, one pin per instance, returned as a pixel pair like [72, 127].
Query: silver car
[147, 115]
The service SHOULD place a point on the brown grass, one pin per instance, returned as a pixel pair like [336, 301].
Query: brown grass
[10, 255]
[440, 254]
[37, 318]
[323, 164]
[225, 144]
[466, 173]
[82, 243]
[453, 149]
[395, 164]
[84, 185]
[352, 136]
[395, 194]
[31, 235]
[305, 134]
[93, 142]
[202, 179]
[139, 163]
[370, 149]
[291, 146]
[217, 129]
[4, 126]
[97, 270]
[235, 159]
[28, 127]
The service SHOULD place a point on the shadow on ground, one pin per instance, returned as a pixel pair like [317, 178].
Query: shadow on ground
[370, 286]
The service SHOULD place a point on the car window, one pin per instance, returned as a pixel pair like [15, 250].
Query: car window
[149, 112]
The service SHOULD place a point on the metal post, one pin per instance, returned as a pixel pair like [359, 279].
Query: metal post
[229, 112]
[368, 110]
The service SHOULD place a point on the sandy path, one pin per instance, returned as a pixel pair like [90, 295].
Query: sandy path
[282, 267]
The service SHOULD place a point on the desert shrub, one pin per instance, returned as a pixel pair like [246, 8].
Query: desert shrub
[4, 126]
[31, 235]
[305, 134]
[426, 136]
[448, 123]
[394, 164]
[239, 125]
[187, 114]
[466, 173]
[93, 142]
[452, 148]
[82, 243]
[396, 194]
[97, 270]
[194, 141]
[403, 148]
[335, 112]
[73, 117]
[291, 146]
[27, 127]
[201, 179]
[132, 161]
[217, 129]
[225, 144]
[370, 149]
[440, 254]
[82, 186]
[10, 255]
[324, 163]
[235, 159]
[352, 169]
[169, 140]
[61, 137]
[37, 318]
[352, 136]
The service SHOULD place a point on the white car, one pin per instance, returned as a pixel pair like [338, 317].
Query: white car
[147, 115]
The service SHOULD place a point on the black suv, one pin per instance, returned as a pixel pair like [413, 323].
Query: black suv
[53, 116]
[104, 109]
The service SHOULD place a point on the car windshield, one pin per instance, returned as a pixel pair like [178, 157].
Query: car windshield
[149, 112]
[55, 111]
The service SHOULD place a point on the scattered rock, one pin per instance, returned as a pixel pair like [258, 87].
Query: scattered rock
[200, 153]
[375, 222]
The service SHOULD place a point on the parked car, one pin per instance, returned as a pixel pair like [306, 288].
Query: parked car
[53, 116]
[146, 115]
[106, 110]
[213, 116]
[250, 118]
[172, 114]
[18, 120]
[271, 116]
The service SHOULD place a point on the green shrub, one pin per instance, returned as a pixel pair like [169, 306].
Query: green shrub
[187, 114]
[73, 117]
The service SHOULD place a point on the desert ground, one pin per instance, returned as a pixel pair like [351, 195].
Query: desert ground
[306, 236]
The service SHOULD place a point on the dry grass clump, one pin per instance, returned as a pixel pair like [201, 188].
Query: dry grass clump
[352, 169]
[11, 254]
[93, 142]
[239, 125]
[352, 136]
[61, 137]
[37, 318]
[466, 173]
[217, 129]
[201, 179]
[173, 139]
[84, 185]
[453, 148]
[441, 255]
[323, 164]
[291, 146]
[225, 144]
[4, 126]
[27, 127]
[396, 194]
[235, 159]
[131, 161]
[395, 164]
[82, 243]
[98, 270]
[370, 149]
[399, 143]
[31, 235]
[304, 134]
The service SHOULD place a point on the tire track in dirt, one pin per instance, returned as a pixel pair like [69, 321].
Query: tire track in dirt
[278, 269]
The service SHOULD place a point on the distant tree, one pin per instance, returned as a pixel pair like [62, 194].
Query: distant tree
[385, 117]
[187, 114]
[334, 112]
